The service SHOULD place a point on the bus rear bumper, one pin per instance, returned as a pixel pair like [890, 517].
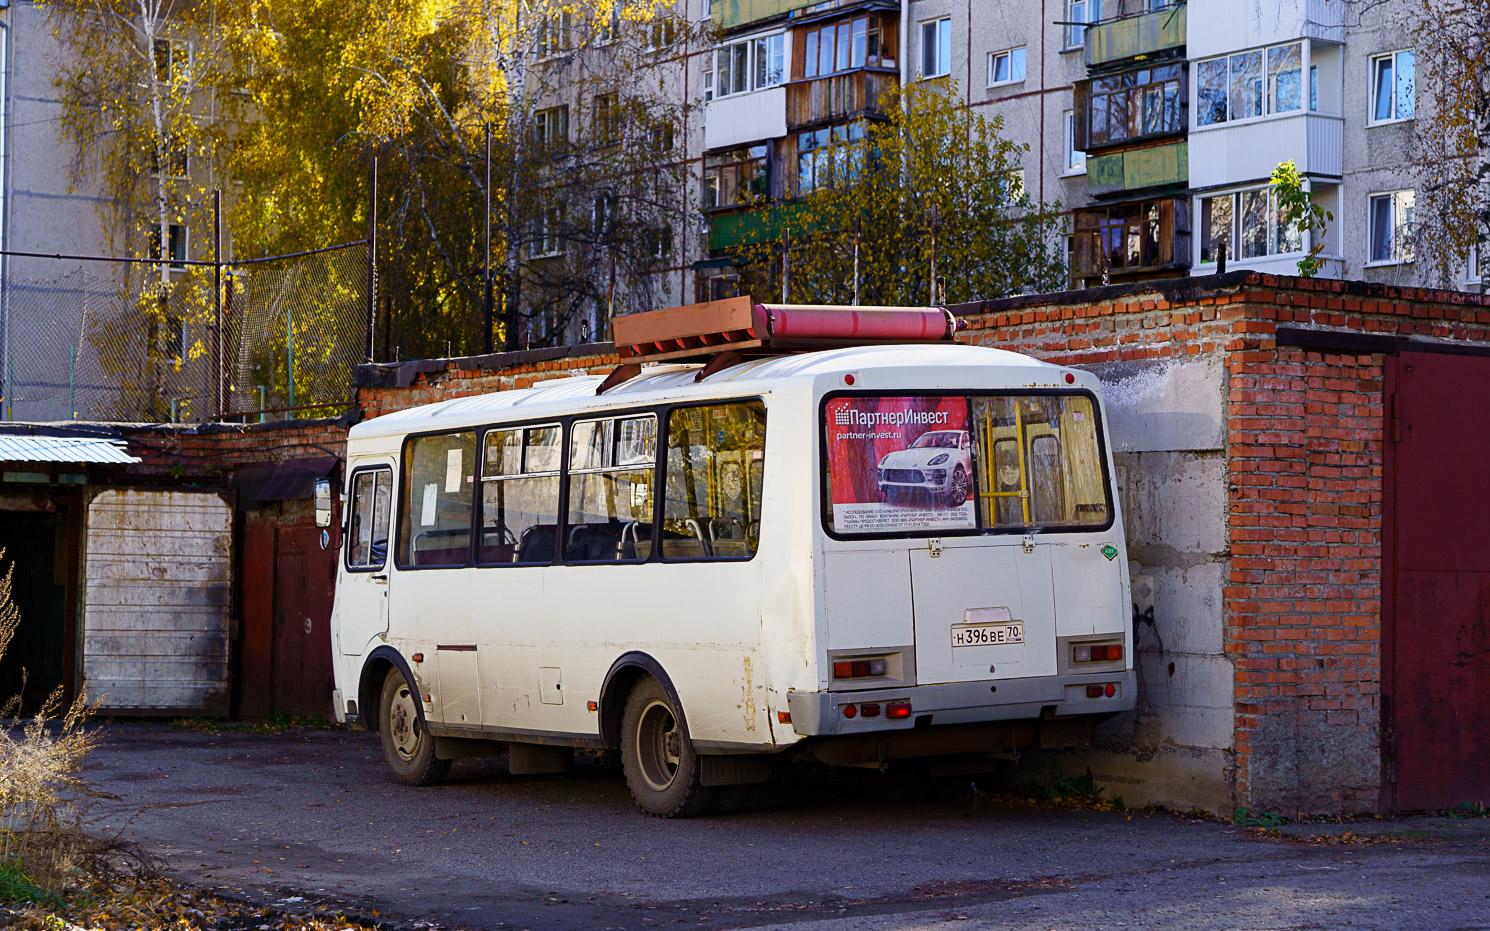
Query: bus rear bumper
[817, 714]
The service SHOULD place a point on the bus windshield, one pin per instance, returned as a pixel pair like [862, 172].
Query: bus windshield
[901, 465]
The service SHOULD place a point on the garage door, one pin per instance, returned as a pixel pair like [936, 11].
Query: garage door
[1438, 618]
[156, 604]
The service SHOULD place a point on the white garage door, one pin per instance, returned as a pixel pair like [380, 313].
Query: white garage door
[157, 607]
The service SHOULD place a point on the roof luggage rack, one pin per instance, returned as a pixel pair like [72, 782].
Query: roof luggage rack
[724, 332]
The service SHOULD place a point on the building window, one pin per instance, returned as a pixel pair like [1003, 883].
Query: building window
[936, 48]
[663, 31]
[607, 126]
[1262, 82]
[175, 245]
[1133, 105]
[546, 240]
[826, 155]
[603, 215]
[1006, 67]
[658, 243]
[608, 27]
[553, 34]
[745, 66]
[1393, 94]
[1075, 158]
[177, 164]
[660, 138]
[735, 178]
[172, 61]
[1391, 228]
[848, 45]
[1079, 13]
[551, 128]
[705, 9]
[1250, 223]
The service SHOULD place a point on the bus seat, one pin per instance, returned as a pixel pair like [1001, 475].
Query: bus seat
[537, 543]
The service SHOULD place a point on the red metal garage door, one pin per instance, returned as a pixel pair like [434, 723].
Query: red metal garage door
[1437, 639]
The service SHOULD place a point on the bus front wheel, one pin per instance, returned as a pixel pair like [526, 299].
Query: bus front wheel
[408, 747]
[662, 769]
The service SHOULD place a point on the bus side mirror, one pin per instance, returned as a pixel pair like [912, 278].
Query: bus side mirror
[323, 502]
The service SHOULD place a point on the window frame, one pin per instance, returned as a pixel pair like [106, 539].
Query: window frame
[346, 543]
[1193, 96]
[1069, 131]
[945, 66]
[825, 497]
[156, 251]
[1091, 13]
[478, 501]
[1234, 235]
[1394, 57]
[658, 488]
[1397, 229]
[1008, 53]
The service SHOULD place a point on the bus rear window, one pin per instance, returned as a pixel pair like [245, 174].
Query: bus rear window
[995, 463]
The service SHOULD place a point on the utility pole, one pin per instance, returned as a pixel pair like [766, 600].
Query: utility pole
[933, 254]
[786, 262]
[486, 301]
[856, 261]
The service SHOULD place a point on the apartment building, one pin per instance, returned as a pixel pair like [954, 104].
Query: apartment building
[1155, 123]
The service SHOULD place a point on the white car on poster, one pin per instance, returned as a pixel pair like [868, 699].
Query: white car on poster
[939, 462]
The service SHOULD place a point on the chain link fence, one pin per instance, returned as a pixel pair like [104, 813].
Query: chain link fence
[117, 341]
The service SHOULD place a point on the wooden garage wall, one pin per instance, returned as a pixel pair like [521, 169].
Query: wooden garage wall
[157, 600]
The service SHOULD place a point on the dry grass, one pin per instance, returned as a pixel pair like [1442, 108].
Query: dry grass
[44, 849]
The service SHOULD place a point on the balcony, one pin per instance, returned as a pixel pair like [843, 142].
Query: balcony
[1235, 153]
[740, 119]
[1155, 167]
[837, 97]
[1131, 240]
[749, 227]
[1221, 26]
[728, 14]
[1128, 37]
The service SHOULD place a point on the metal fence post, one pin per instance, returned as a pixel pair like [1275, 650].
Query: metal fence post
[372, 261]
[215, 368]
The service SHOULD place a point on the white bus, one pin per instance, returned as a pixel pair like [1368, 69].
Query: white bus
[857, 556]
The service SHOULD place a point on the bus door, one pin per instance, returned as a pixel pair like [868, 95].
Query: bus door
[362, 597]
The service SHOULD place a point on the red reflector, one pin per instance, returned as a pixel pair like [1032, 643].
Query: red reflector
[861, 668]
[1070, 379]
[871, 710]
[1094, 691]
[843, 670]
[848, 379]
[592, 706]
[898, 709]
[784, 717]
[1111, 690]
[849, 711]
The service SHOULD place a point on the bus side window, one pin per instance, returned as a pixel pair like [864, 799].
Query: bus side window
[434, 527]
[715, 461]
[520, 496]
[367, 535]
[611, 463]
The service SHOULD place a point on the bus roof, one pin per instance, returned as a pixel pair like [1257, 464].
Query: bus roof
[667, 382]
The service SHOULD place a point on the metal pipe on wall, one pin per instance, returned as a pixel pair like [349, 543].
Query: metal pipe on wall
[7, 31]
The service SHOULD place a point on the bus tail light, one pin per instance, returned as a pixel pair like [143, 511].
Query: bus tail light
[898, 709]
[1097, 652]
[859, 668]
[870, 709]
[850, 711]
[1101, 691]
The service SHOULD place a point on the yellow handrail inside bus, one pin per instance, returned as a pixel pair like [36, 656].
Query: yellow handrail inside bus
[990, 473]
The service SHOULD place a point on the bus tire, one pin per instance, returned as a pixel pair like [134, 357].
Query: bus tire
[407, 745]
[662, 770]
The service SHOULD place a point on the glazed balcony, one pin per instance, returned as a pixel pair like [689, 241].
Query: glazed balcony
[1249, 151]
[837, 97]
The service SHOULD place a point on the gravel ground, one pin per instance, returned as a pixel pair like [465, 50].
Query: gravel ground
[312, 820]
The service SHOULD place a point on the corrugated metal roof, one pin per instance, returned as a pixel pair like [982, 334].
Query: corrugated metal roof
[63, 449]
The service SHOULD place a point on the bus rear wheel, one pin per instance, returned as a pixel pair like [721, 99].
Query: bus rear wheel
[662, 769]
[407, 746]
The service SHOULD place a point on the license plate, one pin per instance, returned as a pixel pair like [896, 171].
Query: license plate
[987, 635]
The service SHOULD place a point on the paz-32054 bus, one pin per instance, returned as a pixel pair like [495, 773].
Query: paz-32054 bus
[861, 556]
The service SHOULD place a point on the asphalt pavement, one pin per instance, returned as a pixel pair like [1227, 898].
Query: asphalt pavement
[313, 820]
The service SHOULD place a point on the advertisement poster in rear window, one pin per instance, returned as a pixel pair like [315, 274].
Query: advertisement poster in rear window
[899, 465]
